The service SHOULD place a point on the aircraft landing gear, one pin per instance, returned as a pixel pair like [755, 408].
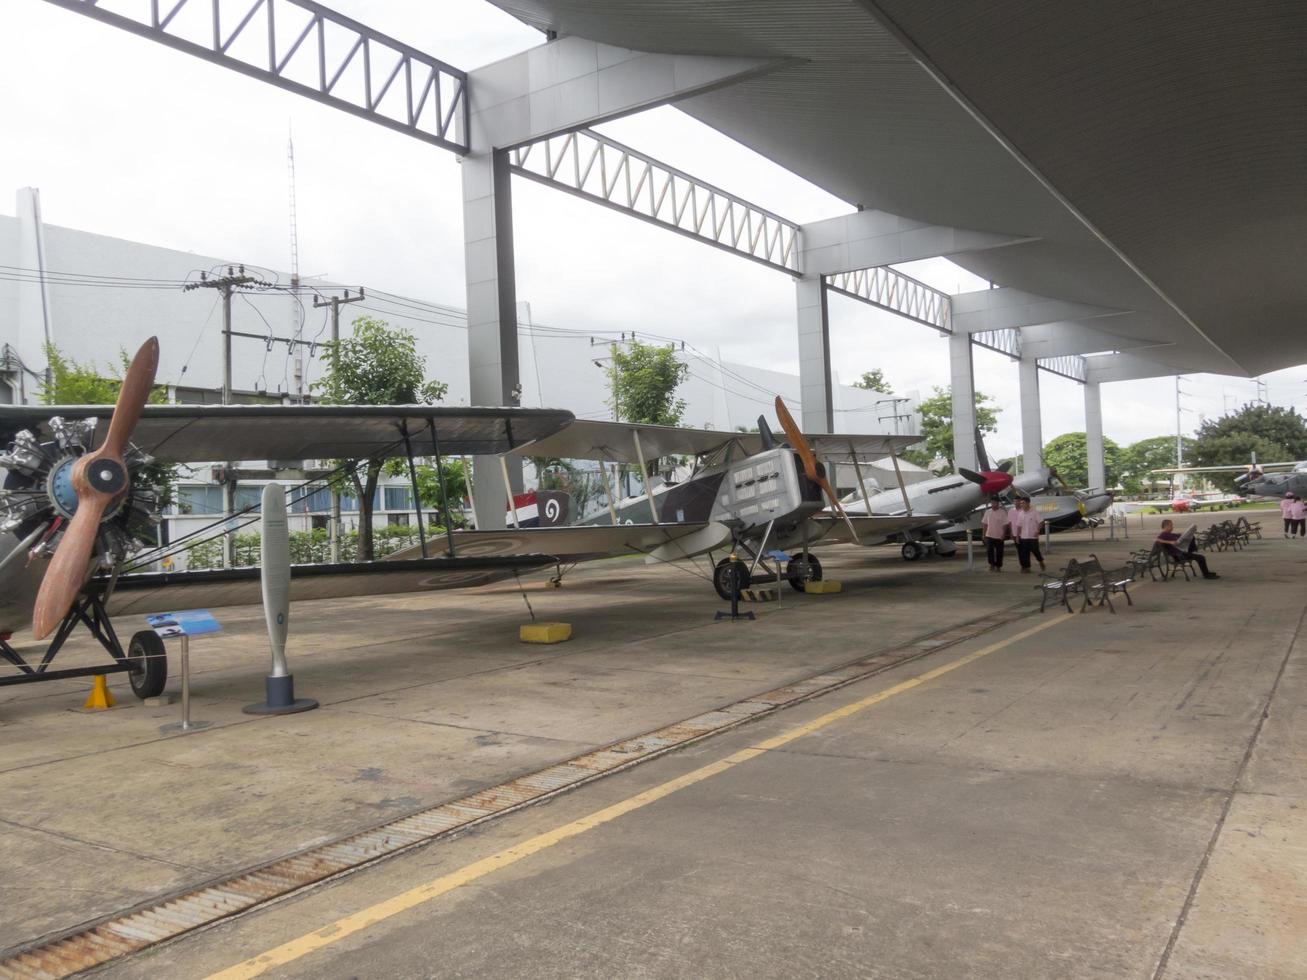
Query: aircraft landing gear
[145, 659]
[912, 550]
[149, 661]
[801, 569]
[729, 578]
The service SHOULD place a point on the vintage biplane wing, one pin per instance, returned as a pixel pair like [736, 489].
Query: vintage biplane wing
[625, 442]
[149, 592]
[584, 542]
[207, 433]
[872, 530]
[1232, 468]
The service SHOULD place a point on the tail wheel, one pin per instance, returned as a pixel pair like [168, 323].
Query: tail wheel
[800, 571]
[149, 659]
[730, 578]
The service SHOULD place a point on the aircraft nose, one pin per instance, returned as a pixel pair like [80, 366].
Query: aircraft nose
[995, 481]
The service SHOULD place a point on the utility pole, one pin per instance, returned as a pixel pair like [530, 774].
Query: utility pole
[226, 286]
[335, 303]
[1179, 437]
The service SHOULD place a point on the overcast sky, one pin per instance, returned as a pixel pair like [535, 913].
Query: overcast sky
[127, 138]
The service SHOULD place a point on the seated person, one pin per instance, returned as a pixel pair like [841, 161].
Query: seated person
[1173, 543]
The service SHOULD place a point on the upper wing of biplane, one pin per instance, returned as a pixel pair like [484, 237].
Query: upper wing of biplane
[206, 433]
[625, 442]
[1235, 468]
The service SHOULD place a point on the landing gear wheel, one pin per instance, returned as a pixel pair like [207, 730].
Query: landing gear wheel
[730, 578]
[911, 551]
[149, 658]
[800, 571]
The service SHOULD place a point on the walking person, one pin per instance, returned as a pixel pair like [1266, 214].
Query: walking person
[1026, 526]
[1298, 516]
[1286, 511]
[994, 526]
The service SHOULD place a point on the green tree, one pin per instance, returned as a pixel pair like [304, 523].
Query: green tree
[873, 380]
[1069, 455]
[937, 426]
[429, 493]
[376, 366]
[644, 380]
[1275, 434]
[1139, 459]
[72, 383]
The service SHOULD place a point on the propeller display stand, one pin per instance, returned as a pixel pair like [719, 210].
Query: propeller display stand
[280, 684]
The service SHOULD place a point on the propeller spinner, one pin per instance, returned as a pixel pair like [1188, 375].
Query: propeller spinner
[99, 479]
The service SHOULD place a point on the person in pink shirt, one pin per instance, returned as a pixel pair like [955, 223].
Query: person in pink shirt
[994, 528]
[1286, 511]
[1025, 530]
[1298, 516]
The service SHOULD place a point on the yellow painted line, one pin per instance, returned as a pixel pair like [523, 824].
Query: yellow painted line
[364, 919]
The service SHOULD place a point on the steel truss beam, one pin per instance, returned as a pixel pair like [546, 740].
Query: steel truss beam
[888, 289]
[1008, 341]
[1071, 366]
[598, 169]
[311, 50]
[1000, 341]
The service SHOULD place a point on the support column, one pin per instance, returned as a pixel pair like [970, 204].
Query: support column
[491, 312]
[818, 408]
[963, 382]
[1032, 436]
[1094, 436]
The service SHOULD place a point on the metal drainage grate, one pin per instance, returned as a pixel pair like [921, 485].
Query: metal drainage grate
[163, 919]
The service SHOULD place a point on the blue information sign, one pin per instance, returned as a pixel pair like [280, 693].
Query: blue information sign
[189, 622]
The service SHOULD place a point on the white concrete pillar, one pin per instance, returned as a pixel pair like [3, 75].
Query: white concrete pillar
[491, 311]
[818, 409]
[963, 382]
[1094, 436]
[1032, 436]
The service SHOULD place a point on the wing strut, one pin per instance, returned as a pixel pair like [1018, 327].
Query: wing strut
[444, 493]
[508, 489]
[902, 488]
[644, 474]
[862, 484]
[413, 479]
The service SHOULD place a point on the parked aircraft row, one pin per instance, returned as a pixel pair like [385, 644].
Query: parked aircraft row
[78, 522]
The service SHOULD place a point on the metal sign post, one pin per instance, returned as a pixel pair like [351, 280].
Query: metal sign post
[184, 625]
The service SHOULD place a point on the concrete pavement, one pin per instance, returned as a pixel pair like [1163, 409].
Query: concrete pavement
[1088, 801]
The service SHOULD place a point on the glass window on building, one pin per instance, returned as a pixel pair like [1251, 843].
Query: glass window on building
[199, 499]
[399, 498]
[247, 497]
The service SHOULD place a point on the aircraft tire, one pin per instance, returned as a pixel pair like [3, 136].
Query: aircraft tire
[911, 551]
[149, 679]
[730, 574]
[794, 571]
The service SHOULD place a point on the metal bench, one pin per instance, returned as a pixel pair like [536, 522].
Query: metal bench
[1103, 582]
[1061, 586]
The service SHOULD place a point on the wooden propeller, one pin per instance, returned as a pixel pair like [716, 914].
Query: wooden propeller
[98, 478]
[800, 444]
